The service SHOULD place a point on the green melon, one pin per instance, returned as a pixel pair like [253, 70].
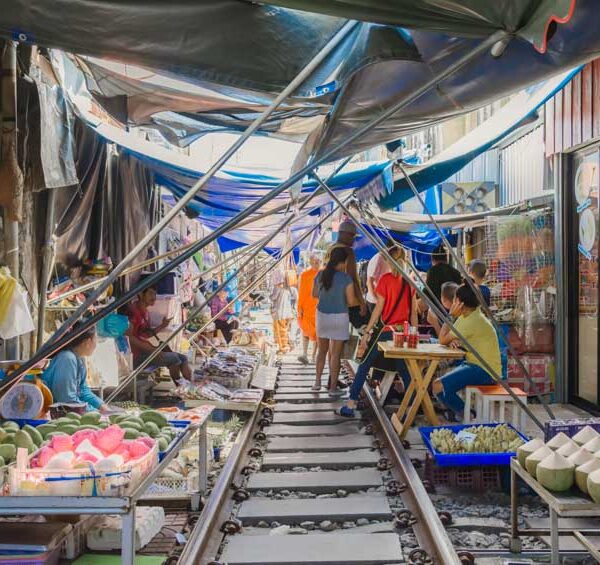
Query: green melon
[10, 425]
[23, 439]
[163, 443]
[130, 433]
[131, 425]
[153, 416]
[46, 429]
[527, 449]
[2, 462]
[92, 418]
[583, 471]
[68, 429]
[532, 461]
[8, 452]
[9, 438]
[34, 434]
[73, 416]
[556, 473]
[152, 429]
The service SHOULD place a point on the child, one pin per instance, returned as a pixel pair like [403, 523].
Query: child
[477, 271]
[447, 298]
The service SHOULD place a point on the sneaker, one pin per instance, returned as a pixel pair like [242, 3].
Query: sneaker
[303, 359]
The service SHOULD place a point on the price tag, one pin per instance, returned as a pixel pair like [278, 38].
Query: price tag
[466, 437]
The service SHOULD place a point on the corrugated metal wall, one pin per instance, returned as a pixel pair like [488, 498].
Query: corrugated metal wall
[483, 168]
[522, 166]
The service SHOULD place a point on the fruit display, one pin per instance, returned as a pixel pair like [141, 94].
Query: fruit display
[585, 435]
[476, 439]
[527, 449]
[556, 473]
[536, 458]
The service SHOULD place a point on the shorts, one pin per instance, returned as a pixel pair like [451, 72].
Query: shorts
[163, 359]
[333, 326]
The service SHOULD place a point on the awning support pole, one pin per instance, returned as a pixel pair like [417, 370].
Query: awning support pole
[475, 289]
[57, 340]
[47, 257]
[438, 311]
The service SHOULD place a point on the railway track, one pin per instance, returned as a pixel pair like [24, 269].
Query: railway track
[305, 486]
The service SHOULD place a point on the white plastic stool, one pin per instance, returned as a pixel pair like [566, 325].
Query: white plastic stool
[490, 405]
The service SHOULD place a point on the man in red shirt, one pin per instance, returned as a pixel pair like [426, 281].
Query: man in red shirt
[140, 331]
[396, 304]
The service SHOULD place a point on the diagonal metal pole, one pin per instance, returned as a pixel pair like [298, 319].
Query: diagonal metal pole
[59, 340]
[258, 279]
[475, 288]
[147, 239]
[440, 312]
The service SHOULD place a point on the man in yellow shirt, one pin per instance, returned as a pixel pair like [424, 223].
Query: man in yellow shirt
[475, 327]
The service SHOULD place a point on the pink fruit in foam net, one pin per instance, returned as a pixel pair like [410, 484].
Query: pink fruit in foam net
[45, 454]
[62, 443]
[109, 439]
[87, 457]
[148, 441]
[82, 435]
[138, 449]
[123, 451]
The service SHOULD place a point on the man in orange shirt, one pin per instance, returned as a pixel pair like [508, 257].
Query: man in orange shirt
[307, 308]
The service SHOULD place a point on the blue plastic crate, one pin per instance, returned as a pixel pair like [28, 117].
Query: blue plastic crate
[181, 426]
[23, 422]
[466, 459]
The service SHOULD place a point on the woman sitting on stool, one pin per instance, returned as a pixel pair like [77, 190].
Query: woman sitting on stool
[475, 327]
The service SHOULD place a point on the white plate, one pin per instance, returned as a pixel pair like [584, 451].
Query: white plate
[585, 179]
[587, 229]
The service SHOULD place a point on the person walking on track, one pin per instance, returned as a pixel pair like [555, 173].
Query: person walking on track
[307, 309]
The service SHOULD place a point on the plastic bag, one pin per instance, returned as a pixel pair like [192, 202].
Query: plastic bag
[18, 320]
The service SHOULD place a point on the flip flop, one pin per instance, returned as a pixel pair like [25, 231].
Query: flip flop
[316, 388]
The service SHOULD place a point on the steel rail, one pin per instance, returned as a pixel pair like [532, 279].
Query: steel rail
[207, 523]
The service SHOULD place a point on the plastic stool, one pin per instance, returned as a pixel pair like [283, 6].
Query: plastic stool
[490, 399]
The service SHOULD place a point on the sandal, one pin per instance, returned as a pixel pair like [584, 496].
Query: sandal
[345, 412]
[316, 388]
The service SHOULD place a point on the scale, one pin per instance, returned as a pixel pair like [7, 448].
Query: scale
[27, 400]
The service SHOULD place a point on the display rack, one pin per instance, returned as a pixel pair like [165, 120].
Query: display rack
[563, 505]
[121, 505]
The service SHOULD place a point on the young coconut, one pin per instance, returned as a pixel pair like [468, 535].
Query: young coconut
[532, 461]
[556, 473]
[558, 441]
[593, 445]
[527, 449]
[584, 435]
[567, 448]
[593, 485]
[580, 457]
[583, 471]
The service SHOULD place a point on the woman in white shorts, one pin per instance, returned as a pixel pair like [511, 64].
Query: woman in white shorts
[335, 290]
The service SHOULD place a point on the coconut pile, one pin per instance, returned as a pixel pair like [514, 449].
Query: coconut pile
[563, 462]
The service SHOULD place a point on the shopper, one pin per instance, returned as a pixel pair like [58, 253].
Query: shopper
[307, 308]
[66, 376]
[473, 325]
[447, 295]
[140, 332]
[396, 304]
[282, 312]
[376, 268]
[441, 272]
[358, 313]
[477, 270]
[335, 291]
[225, 321]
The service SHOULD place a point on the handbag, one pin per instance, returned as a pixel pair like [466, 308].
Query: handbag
[363, 353]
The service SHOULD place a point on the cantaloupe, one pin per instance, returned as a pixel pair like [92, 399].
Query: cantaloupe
[527, 449]
[556, 473]
[532, 461]
[583, 471]
[585, 434]
[558, 441]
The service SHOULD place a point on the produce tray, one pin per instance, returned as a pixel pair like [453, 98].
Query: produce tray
[467, 459]
[181, 427]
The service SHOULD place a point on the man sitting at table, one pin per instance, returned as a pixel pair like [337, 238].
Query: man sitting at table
[473, 325]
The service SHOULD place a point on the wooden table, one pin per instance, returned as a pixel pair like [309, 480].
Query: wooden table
[569, 504]
[421, 363]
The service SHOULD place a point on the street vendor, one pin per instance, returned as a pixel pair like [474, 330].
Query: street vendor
[66, 376]
[475, 327]
[140, 331]
[225, 321]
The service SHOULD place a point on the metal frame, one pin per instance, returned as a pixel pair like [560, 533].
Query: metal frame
[479, 296]
[434, 305]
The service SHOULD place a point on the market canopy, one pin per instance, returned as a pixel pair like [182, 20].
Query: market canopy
[238, 55]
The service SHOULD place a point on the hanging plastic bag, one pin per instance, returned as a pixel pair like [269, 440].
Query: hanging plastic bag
[113, 325]
[18, 320]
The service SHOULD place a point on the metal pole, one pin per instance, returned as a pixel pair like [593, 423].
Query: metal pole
[199, 309]
[58, 340]
[47, 258]
[180, 205]
[474, 288]
[439, 312]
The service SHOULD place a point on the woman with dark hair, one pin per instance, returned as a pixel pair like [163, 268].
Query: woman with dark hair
[475, 327]
[66, 376]
[395, 304]
[335, 291]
